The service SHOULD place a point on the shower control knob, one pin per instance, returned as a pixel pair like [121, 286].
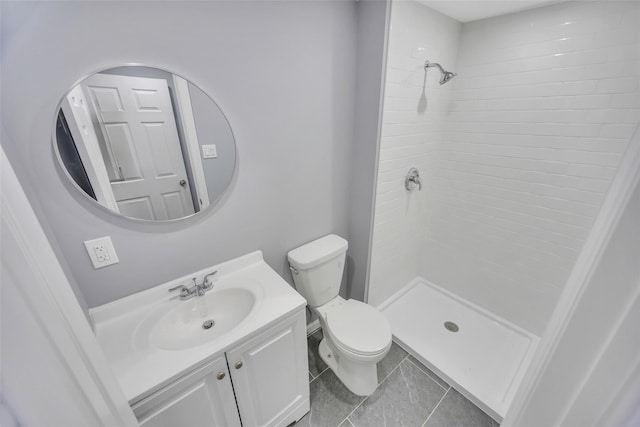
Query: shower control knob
[412, 179]
[221, 375]
[238, 365]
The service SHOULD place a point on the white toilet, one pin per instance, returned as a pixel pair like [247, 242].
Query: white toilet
[356, 335]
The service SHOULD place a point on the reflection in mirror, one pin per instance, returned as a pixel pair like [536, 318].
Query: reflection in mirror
[145, 143]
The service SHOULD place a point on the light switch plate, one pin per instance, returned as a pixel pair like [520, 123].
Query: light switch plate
[101, 252]
[209, 151]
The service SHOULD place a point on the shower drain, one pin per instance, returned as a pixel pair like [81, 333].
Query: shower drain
[207, 324]
[451, 327]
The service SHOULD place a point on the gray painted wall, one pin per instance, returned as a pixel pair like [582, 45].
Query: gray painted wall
[372, 16]
[284, 73]
[212, 128]
[143, 71]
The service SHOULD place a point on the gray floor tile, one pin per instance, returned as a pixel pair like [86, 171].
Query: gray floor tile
[405, 398]
[456, 411]
[391, 361]
[331, 402]
[316, 364]
[429, 372]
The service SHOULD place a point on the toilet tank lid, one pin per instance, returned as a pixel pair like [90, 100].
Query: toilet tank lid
[317, 251]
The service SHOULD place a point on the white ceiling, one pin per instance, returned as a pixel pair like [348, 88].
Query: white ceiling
[472, 10]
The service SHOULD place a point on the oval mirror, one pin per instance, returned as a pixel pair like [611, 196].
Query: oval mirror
[145, 143]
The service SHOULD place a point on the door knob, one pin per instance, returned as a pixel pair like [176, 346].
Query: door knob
[221, 375]
[238, 365]
[183, 183]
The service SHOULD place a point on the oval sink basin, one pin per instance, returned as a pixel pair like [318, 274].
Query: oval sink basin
[199, 320]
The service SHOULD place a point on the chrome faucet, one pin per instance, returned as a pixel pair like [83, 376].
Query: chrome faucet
[185, 293]
[197, 290]
[207, 283]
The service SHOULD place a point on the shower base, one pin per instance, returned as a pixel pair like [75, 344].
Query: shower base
[485, 359]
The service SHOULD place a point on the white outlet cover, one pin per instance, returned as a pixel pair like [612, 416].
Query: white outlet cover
[101, 252]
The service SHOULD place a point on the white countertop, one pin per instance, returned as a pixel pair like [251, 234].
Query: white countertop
[122, 326]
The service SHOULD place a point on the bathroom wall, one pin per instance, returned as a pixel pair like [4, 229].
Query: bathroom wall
[212, 128]
[284, 74]
[543, 109]
[372, 33]
[541, 112]
[414, 118]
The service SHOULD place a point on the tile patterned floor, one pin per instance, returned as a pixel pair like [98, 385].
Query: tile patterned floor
[409, 394]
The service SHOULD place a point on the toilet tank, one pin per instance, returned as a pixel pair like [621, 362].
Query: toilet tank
[317, 268]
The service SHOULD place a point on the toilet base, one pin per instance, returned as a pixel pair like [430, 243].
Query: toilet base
[359, 377]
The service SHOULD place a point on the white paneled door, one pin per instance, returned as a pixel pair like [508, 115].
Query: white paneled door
[140, 145]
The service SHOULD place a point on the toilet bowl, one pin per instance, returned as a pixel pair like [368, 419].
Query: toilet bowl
[356, 338]
[356, 335]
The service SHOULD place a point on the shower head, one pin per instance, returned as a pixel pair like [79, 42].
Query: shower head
[446, 75]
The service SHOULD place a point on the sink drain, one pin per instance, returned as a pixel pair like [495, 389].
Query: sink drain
[451, 327]
[207, 324]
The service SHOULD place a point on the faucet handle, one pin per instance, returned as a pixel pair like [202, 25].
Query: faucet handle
[418, 181]
[412, 179]
[184, 291]
[206, 282]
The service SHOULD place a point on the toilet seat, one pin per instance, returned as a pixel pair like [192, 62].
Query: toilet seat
[358, 328]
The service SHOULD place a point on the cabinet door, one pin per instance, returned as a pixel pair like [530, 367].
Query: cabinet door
[270, 375]
[202, 398]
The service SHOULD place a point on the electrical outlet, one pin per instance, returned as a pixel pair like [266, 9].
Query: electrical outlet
[101, 252]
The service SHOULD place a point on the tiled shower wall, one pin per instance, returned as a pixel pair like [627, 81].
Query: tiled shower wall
[543, 109]
[414, 121]
[541, 112]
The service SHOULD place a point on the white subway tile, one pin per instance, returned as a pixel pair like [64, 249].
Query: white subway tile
[598, 172]
[625, 100]
[516, 153]
[619, 85]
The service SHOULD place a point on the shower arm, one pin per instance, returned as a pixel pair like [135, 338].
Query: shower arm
[445, 75]
[428, 64]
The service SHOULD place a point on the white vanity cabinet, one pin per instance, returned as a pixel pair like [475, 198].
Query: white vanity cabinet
[268, 373]
[201, 398]
[247, 368]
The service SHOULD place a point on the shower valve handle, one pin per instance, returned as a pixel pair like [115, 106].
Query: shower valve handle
[413, 179]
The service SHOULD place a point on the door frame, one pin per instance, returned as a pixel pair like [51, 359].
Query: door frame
[184, 109]
[574, 294]
[86, 143]
[54, 306]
